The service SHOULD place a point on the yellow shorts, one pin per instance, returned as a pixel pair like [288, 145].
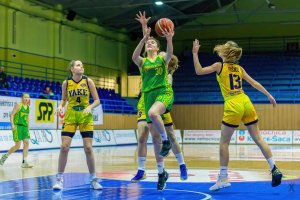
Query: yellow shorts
[239, 109]
[168, 121]
[73, 119]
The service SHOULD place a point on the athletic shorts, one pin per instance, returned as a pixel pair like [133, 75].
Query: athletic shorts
[74, 118]
[162, 94]
[239, 109]
[21, 133]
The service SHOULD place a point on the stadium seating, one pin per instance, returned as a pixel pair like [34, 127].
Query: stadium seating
[280, 74]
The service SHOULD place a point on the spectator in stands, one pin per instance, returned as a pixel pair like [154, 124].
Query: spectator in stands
[19, 125]
[76, 90]
[47, 92]
[237, 106]
[3, 78]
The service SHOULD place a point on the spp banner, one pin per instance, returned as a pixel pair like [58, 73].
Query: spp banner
[42, 114]
[6, 106]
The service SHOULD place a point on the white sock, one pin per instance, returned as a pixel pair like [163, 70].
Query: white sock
[271, 162]
[160, 167]
[223, 171]
[59, 175]
[92, 176]
[25, 160]
[164, 137]
[141, 163]
[179, 158]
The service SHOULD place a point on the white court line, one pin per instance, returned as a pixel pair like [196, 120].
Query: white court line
[207, 196]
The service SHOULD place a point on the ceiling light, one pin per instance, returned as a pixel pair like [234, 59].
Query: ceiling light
[159, 3]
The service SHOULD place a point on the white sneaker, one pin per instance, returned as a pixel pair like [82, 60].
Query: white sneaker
[58, 185]
[26, 165]
[95, 184]
[222, 182]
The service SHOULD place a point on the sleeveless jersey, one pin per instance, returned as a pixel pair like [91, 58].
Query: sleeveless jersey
[230, 80]
[21, 117]
[78, 94]
[154, 74]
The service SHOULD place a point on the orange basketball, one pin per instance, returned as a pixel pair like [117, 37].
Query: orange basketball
[162, 24]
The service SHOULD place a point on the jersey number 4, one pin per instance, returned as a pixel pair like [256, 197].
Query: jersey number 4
[78, 99]
[235, 81]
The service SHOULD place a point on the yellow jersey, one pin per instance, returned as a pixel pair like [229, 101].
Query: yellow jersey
[230, 80]
[78, 94]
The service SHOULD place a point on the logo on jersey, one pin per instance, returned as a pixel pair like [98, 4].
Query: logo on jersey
[78, 92]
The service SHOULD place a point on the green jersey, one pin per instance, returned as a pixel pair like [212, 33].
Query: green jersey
[154, 74]
[21, 117]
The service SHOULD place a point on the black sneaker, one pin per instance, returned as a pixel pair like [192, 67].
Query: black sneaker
[162, 178]
[276, 176]
[165, 150]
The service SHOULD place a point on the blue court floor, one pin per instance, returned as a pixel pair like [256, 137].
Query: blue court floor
[248, 173]
[76, 187]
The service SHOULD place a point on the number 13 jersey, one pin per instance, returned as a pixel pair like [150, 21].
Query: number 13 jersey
[230, 80]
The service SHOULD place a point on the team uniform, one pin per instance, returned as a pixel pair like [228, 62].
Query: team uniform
[78, 99]
[237, 105]
[155, 84]
[21, 123]
[142, 115]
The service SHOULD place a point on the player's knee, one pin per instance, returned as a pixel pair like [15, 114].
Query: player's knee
[65, 147]
[88, 149]
[17, 146]
[143, 140]
[153, 115]
[25, 143]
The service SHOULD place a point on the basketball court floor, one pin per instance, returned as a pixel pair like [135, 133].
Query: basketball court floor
[249, 174]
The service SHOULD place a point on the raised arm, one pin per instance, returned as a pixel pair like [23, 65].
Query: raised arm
[141, 17]
[216, 67]
[259, 87]
[169, 37]
[136, 58]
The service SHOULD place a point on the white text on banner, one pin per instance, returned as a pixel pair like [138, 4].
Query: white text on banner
[125, 137]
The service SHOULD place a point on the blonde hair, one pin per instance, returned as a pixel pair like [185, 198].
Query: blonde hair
[229, 52]
[173, 64]
[71, 65]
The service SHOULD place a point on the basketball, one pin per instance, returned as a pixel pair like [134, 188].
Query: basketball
[162, 24]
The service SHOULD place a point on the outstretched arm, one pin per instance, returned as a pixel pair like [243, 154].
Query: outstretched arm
[259, 87]
[141, 17]
[216, 67]
[136, 58]
[169, 37]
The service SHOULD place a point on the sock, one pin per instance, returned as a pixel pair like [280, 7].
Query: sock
[92, 176]
[164, 137]
[59, 175]
[179, 158]
[160, 167]
[271, 163]
[24, 160]
[223, 171]
[141, 163]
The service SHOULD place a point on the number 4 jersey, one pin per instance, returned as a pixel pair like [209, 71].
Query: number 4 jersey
[78, 94]
[230, 80]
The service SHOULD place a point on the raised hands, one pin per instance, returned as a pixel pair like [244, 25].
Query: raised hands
[141, 17]
[196, 46]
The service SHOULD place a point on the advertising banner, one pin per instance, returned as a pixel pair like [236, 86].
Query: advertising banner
[204, 136]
